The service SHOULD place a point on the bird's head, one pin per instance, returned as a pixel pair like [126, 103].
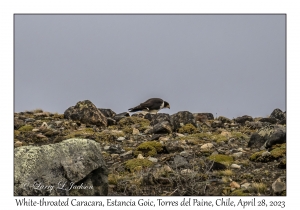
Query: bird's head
[166, 105]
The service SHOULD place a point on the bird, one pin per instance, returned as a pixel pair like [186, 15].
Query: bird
[152, 106]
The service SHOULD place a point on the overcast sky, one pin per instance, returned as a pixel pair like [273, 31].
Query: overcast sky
[232, 65]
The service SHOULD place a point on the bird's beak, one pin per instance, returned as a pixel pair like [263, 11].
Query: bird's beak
[168, 106]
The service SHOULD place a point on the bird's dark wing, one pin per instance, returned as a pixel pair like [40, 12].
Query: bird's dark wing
[152, 103]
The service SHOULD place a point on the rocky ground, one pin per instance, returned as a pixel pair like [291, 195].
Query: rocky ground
[180, 154]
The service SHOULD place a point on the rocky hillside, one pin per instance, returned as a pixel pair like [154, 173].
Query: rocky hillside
[118, 154]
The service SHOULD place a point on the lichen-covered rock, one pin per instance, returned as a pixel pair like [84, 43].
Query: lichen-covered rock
[268, 136]
[160, 117]
[87, 113]
[203, 117]
[161, 127]
[270, 120]
[120, 116]
[107, 112]
[72, 167]
[182, 118]
[278, 114]
[243, 119]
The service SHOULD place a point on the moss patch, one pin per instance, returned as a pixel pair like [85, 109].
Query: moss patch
[279, 151]
[134, 164]
[188, 128]
[25, 128]
[129, 121]
[148, 148]
[224, 159]
[239, 192]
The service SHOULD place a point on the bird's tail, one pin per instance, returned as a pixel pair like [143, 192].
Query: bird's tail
[135, 109]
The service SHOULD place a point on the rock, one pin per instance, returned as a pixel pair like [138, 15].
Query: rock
[203, 117]
[184, 154]
[218, 166]
[135, 131]
[254, 125]
[217, 124]
[18, 123]
[256, 141]
[237, 154]
[120, 116]
[234, 184]
[40, 136]
[278, 114]
[87, 113]
[207, 146]
[224, 120]
[278, 186]
[243, 119]
[182, 118]
[180, 162]
[29, 120]
[121, 139]
[114, 149]
[278, 137]
[107, 112]
[152, 159]
[173, 146]
[270, 120]
[245, 185]
[161, 128]
[73, 161]
[235, 166]
[140, 156]
[160, 117]
[126, 154]
[18, 144]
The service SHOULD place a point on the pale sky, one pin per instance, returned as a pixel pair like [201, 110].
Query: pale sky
[232, 65]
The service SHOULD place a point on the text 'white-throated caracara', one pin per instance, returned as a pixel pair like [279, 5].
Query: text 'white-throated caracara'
[152, 106]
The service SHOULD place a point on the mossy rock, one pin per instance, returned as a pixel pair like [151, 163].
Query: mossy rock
[224, 159]
[257, 156]
[129, 121]
[188, 128]
[134, 164]
[149, 148]
[279, 151]
[25, 128]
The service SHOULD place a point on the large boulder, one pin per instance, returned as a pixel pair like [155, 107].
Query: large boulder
[182, 118]
[279, 115]
[71, 167]
[267, 137]
[160, 117]
[87, 113]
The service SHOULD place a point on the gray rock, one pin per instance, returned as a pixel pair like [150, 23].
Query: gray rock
[278, 114]
[87, 113]
[270, 120]
[120, 116]
[161, 128]
[278, 137]
[182, 118]
[107, 112]
[121, 139]
[243, 119]
[160, 117]
[203, 117]
[278, 186]
[180, 162]
[53, 169]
